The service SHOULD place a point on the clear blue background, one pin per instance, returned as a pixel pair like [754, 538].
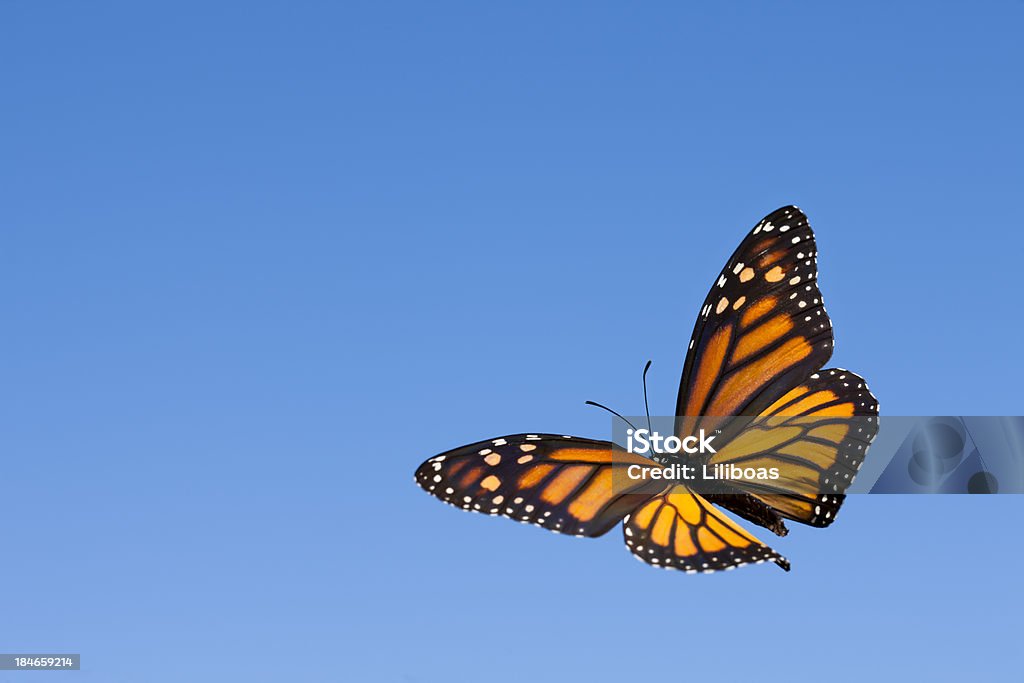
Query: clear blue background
[260, 259]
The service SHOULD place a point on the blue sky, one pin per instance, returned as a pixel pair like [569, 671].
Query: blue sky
[262, 259]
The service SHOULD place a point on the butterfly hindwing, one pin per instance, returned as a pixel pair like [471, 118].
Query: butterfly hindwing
[679, 529]
[565, 484]
[762, 329]
[816, 435]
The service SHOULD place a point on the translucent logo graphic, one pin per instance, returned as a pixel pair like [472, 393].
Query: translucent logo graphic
[975, 455]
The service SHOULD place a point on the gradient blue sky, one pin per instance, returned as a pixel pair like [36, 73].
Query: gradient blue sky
[261, 259]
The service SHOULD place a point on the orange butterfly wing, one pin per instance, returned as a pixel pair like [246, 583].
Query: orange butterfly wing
[762, 328]
[816, 435]
[565, 484]
[761, 333]
[679, 529]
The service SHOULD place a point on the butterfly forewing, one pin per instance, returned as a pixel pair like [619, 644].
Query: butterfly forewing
[762, 328]
[566, 484]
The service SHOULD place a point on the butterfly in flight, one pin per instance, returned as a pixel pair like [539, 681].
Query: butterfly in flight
[758, 348]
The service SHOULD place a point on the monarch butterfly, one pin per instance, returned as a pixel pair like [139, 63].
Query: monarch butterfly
[758, 346]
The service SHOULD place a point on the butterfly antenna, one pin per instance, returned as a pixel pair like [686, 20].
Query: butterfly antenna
[646, 408]
[594, 403]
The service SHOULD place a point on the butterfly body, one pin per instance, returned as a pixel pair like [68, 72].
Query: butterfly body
[753, 378]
